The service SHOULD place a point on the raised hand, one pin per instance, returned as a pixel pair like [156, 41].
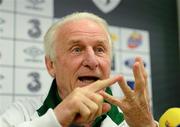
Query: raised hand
[135, 104]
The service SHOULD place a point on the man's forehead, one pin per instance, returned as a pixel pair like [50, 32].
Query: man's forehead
[79, 28]
[82, 24]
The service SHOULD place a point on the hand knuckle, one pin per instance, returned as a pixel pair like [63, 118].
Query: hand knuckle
[100, 98]
[88, 113]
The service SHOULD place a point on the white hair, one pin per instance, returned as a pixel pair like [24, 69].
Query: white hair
[50, 36]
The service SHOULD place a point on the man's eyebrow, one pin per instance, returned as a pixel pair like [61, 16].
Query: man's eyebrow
[102, 41]
[73, 42]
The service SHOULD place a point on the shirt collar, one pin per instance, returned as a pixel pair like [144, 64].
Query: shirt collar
[53, 99]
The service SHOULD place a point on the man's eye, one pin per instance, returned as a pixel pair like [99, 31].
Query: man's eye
[100, 50]
[76, 50]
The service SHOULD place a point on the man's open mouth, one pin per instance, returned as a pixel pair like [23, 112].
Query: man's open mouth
[88, 79]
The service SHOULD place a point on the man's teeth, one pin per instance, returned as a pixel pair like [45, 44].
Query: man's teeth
[87, 81]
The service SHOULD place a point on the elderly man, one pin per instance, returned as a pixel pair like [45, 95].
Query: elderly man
[78, 57]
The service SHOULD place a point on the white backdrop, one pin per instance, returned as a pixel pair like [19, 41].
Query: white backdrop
[22, 72]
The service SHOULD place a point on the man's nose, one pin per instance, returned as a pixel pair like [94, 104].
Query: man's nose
[90, 59]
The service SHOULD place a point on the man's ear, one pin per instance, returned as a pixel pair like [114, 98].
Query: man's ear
[50, 66]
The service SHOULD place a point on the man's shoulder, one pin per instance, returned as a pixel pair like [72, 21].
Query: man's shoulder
[25, 107]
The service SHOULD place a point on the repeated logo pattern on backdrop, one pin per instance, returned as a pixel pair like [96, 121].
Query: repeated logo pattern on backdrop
[23, 24]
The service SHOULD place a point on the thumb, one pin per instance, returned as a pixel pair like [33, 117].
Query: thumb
[105, 107]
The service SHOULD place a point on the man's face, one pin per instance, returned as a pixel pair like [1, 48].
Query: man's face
[82, 55]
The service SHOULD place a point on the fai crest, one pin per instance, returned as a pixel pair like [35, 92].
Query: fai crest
[106, 6]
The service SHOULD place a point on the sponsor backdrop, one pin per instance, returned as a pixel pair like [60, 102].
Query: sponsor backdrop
[22, 69]
[23, 24]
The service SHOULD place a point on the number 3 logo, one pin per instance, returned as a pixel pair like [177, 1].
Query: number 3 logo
[35, 31]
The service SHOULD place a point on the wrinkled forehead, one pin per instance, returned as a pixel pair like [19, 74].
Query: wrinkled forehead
[82, 26]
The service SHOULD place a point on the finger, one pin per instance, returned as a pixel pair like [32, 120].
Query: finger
[98, 100]
[145, 75]
[143, 70]
[112, 99]
[101, 84]
[87, 110]
[125, 88]
[139, 79]
[83, 113]
[139, 59]
[105, 107]
[93, 106]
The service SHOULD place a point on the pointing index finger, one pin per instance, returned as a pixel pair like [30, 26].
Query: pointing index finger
[101, 84]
